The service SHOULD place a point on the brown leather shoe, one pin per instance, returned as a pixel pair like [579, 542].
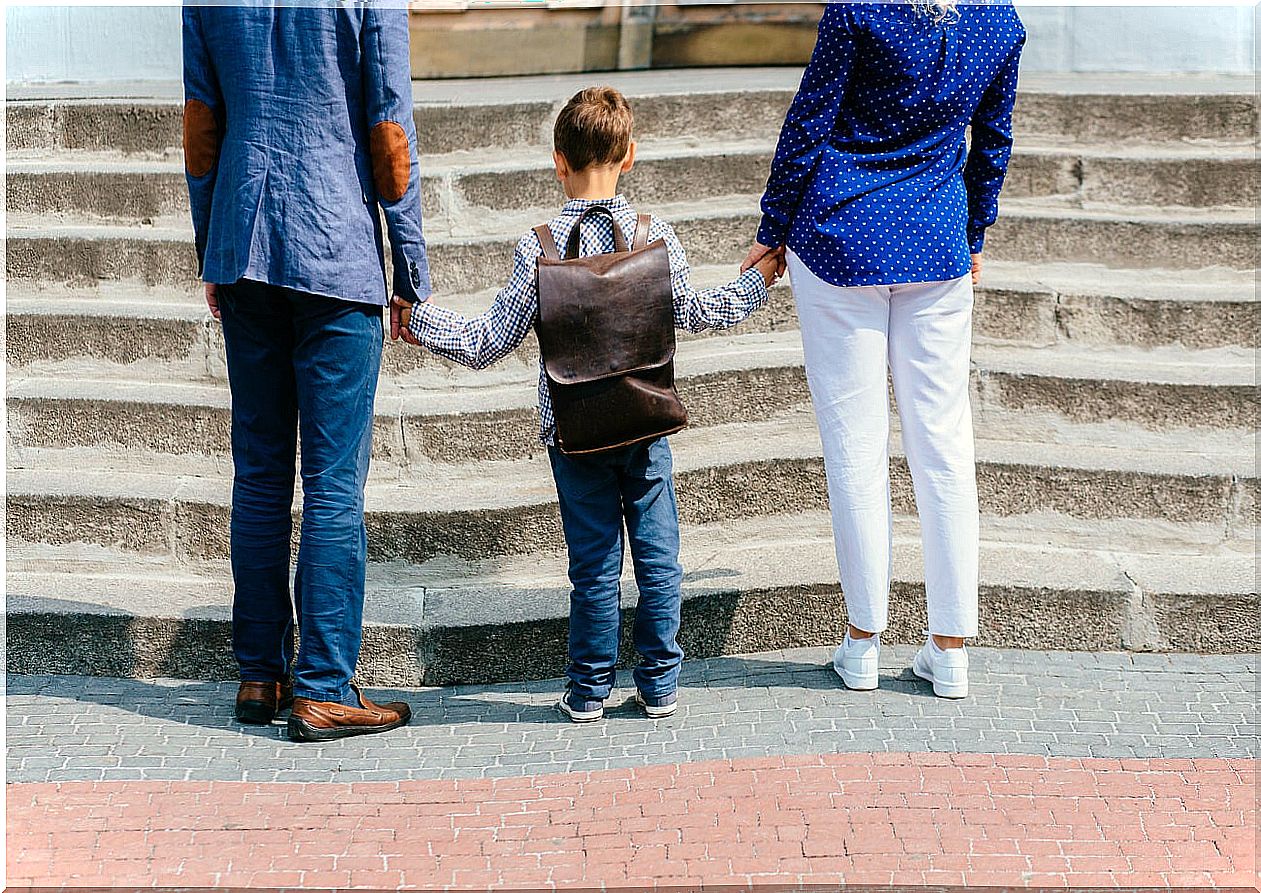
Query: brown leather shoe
[257, 703]
[327, 720]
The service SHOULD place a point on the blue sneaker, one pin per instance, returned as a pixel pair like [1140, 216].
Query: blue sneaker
[658, 707]
[580, 709]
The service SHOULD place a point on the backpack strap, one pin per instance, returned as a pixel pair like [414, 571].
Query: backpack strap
[642, 225]
[547, 241]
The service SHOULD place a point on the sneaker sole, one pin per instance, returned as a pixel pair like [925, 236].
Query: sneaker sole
[856, 683]
[576, 716]
[953, 691]
[299, 730]
[657, 712]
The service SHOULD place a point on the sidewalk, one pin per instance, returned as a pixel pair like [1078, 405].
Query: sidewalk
[1062, 768]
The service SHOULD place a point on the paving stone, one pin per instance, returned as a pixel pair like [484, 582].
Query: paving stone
[103, 732]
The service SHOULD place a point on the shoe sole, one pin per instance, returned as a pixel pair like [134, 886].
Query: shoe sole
[575, 716]
[255, 713]
[300, 730]
[657, 712]
[854, 683]
[953, 691]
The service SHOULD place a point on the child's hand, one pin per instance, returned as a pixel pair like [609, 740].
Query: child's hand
[400, 317]
[771, 266]
[976, 269]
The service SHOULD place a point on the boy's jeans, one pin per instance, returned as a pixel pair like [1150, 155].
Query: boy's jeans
[299, 363]
[597, 493]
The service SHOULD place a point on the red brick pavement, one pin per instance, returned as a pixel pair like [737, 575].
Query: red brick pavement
[865, 818]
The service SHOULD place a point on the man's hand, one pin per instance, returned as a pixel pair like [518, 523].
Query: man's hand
[771, 266]
[976, 269]
[400, 317]
[212, 299]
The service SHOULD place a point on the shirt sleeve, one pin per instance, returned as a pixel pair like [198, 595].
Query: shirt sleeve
[392, 142]
[712, 308]
[481, 340]
[203, 127]
[990, 150]
[809, 123]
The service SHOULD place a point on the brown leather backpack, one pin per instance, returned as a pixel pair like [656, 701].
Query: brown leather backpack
[606, 333]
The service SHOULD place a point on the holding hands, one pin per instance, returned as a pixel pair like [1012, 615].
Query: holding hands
[770, 262]
[400, 318]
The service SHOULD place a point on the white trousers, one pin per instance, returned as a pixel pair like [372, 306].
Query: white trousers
[922, 332]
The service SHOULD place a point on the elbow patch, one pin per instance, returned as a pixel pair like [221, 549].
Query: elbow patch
[391, 160]
[201, 138]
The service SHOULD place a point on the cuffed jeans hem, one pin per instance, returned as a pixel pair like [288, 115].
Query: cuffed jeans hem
[309, 694]
[263, 677]
[590, 692]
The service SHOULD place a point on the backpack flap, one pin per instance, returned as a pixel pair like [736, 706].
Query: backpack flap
[605, 315]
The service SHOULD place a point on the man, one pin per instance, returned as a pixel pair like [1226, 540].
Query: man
[297, 127]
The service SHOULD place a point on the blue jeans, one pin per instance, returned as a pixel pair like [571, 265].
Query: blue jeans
[631, 490]
[299, 364]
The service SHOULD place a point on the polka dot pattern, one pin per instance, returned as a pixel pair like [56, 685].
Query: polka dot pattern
[873, 182]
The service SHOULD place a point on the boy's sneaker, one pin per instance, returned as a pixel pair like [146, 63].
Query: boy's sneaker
[946, 669]
[580, 709]
[857, 662]
[658, 707]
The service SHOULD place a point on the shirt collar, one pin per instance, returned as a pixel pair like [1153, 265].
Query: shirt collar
[578, 205]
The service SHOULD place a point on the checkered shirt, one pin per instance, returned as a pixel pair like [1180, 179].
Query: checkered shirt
[481, 340]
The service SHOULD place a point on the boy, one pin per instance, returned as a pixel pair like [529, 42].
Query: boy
[631, 485]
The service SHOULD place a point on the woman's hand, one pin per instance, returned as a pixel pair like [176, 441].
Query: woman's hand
[771, 266]
[976, 269]
[757, 252]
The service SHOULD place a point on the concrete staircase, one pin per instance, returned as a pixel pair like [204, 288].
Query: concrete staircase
[1114, 393]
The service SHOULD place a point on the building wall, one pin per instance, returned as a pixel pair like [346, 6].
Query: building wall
[58, 43]
[50, 44]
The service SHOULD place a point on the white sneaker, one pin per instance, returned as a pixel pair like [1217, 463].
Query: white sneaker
[857, 662]
[947, 670]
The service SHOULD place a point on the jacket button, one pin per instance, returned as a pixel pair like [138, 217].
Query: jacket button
[415, 275]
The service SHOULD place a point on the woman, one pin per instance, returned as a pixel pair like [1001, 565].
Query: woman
[883, 209]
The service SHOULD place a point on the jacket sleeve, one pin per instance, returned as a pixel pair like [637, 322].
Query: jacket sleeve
[203, 128]
[990, 150]
[392, 143]
[809, 123]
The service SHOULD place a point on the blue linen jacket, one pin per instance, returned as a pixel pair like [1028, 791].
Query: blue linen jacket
[297, 126]
[872, 181]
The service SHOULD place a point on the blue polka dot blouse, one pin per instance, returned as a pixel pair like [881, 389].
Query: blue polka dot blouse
[872, 181]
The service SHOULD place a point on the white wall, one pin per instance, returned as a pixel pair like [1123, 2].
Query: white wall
[50, 43]
[1202, 38]
[102, 43]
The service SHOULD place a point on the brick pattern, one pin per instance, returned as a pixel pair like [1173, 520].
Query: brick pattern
[1057, 704]
[852, 818]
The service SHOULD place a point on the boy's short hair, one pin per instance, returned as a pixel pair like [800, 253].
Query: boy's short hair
[594, 128]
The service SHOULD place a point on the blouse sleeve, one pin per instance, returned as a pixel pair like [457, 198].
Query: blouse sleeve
[990, 150]
[809, 123]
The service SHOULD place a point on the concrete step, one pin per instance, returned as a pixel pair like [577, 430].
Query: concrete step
[749, 585]
[122, 330]
[109, 189]
[178, 505]
[448, 414]
[719, 105]
[715, 232]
